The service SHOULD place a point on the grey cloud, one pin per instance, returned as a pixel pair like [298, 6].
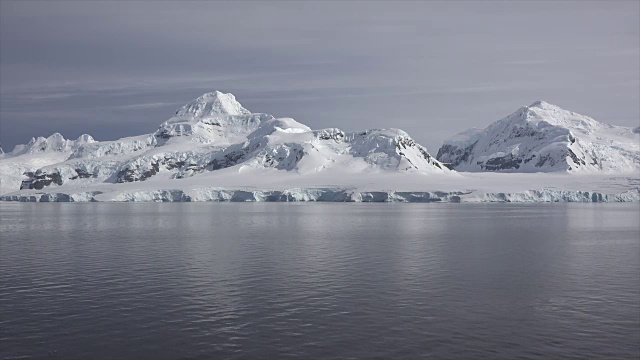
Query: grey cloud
[526, 62]
[144, 106]
[118, 68]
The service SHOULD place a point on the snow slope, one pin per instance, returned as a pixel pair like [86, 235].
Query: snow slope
[213, 149]
[545, 138]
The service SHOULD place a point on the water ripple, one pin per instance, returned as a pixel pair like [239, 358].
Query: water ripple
[325, 281]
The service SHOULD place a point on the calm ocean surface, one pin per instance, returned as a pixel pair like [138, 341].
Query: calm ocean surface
[319, 281]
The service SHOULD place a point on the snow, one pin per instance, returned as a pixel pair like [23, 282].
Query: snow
[543, 137]
[465, 138]
[213, 149]
[55, 142]
[213, 104]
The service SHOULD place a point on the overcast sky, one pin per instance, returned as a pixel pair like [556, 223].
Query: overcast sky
[114, 69]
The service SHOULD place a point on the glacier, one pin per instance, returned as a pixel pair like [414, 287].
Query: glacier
[214, 149]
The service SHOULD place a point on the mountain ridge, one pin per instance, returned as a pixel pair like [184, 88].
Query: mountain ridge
[213, 149]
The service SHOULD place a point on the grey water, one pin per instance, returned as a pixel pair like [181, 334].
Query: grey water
[319, 281]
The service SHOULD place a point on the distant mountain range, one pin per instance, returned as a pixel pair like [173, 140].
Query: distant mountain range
[214, 141]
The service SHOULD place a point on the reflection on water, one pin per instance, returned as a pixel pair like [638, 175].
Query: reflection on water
[200, 281]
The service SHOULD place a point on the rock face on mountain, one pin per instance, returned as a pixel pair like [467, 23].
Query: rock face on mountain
[543, 137]
[16, 166]
[211, 133]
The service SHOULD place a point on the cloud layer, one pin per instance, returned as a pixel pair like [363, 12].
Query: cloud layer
[115, 69]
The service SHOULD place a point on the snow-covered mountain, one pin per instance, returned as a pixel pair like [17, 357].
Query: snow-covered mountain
[209, 134]
[213, 149]
[543, 137]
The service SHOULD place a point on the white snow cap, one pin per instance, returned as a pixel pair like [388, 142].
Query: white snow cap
[55, 142]
[213, 104]
[542, 104]
[555, 115]
[85, 139]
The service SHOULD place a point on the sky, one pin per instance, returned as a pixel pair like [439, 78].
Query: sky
[433, 69]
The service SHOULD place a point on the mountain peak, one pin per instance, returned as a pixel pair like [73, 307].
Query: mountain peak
[555, 115]
[54, 143]
[213, 104]
[541, 104]
[85, 139]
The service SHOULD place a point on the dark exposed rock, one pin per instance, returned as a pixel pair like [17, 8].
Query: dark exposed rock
[546, 159]
[173, 164]
[502, 163]
[82, 174]
[575, 158]
[131, 175]
[40, 179]
[226, 161]
[331, 135]
[456, 155]
[529, 159]
[279, 161]
[164, 135]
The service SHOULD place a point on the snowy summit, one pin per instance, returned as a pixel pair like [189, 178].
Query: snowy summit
[543, 137]
[213, 104]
